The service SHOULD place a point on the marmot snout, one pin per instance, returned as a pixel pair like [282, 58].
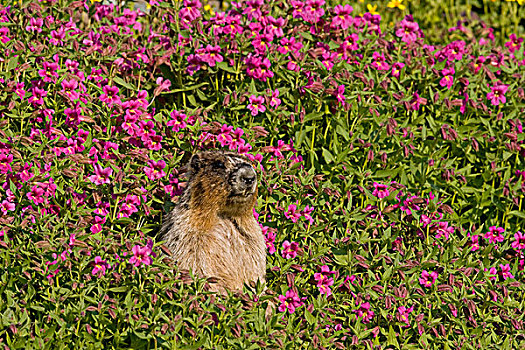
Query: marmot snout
[212, 230]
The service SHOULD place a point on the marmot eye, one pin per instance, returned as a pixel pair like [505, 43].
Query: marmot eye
[219, 165]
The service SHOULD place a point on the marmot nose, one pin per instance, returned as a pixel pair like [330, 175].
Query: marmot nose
[247, 176]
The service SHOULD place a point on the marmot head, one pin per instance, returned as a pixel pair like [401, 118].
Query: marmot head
[224, 182]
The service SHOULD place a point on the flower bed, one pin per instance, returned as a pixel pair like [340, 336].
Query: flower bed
[391, 168]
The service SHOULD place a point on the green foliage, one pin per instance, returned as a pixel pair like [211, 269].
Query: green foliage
[391, 197]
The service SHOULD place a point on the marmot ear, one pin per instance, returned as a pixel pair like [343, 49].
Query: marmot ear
[195, 163]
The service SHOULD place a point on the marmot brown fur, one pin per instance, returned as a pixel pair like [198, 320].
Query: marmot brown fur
[212, 230]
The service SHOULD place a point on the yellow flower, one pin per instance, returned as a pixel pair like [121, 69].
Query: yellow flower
[208, 8]
[372, 9]
[396, 3]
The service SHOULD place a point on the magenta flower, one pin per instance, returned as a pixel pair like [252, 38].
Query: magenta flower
[275, 101]
[428, 279]
[35, 25]
[519, 241]
[495, 234]
[514, 44]
[396, 69]
[37, 99]
[101, 176]
[290, 301]
[155, 169]
[178, 121]
[141, 256]
[5, 163]
[292, 213]
[100, 267]
[6, 206]
[380, 61]
[37, 195]
[68, 88]
[289, 45]
[448, 77]
[306, 213]
[49, 71]
[497, 94]
[98, 221]
[212, 55]
[474, 243]
[290, 250]
[443, 230]
[163, 85]
[340, 94]
[110, 95]
[4, 32]
[380, 190]
[417, 101]
[364, 312]
[324, 281]
[256, 104]
[269, 238]
[505, 271]
[342, 16]
[408, 30]
[402, 314]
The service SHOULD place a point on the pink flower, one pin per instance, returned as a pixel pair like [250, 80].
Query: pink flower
[101, 176]
[141, 255]
[306, 213]
[519, 241]
[4, 32]
[474, 243]
[495, 234]
[68, 88]
[290, 301]
[275, 101]
[35, 25]
[497, 94]
[380, 61]
[49, 71]
[163, 85]
[155, 170]
[443, 230]
[342, 16]
[505, 271]
[292, 213]
[289, 45]
[514, 44]
[448, 77]
[6, 206]
[403, 313]
[380, 190]
[178, 121]
[417, 101]
[100, 267]
[269, 238]
[212, 55]
[97, 224]
[5, 163]
[256, 104]
[428, 279]
[110, 95]
[324, 281]
[364, 312]
[408, 30]
[290, 250]
[396, 69]
[340, 94]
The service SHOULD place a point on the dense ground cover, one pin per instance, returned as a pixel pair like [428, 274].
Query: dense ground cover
[391, 169]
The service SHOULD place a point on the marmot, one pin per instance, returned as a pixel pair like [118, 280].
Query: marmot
[212, 229]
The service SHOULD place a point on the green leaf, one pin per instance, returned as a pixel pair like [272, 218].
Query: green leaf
[121, 82]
